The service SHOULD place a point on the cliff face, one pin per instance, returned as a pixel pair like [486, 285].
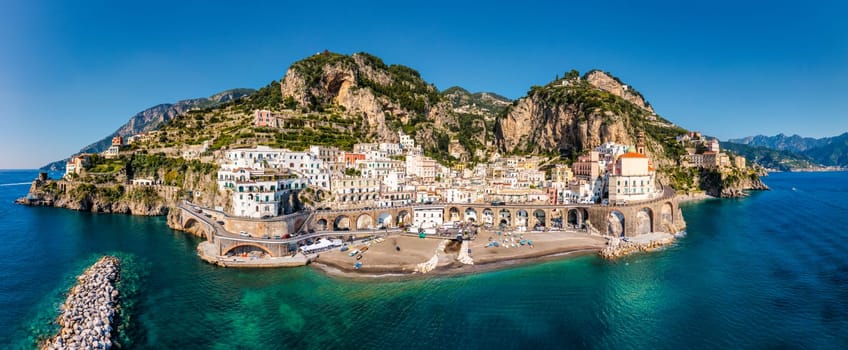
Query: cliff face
[95, 203]
[730, 183]
[362, 85]
[535, 125]
[574, 114]
[124, 199]
[608, 83]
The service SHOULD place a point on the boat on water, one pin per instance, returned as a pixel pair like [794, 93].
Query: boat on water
[357, 265]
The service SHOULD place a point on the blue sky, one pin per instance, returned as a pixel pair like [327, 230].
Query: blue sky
[72, 72]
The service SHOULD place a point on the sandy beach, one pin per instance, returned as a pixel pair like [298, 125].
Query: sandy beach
[384, 260]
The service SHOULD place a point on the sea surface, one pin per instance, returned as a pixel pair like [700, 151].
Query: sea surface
[768, 271]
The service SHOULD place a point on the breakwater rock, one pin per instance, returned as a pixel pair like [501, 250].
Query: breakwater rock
[617, 247]
[89, 312]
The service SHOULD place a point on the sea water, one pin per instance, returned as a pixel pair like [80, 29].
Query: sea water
[766, 271]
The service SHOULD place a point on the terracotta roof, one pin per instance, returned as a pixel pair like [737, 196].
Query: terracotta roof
[633, 155]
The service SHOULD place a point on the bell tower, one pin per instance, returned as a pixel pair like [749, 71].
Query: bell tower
[640, 142]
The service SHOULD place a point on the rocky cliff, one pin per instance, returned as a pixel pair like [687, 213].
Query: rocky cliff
[572, 115]
[730, 183]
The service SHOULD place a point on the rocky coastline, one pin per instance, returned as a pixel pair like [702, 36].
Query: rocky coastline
[618, 248]
[97, 198]
[94, 205]
[89, 313]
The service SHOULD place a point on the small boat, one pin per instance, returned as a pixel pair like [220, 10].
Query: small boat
[354, 252]
[363, 249]
[357, 265]
[358, 257]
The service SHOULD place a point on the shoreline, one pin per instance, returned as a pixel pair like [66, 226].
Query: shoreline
[450, 269]
[693, 197]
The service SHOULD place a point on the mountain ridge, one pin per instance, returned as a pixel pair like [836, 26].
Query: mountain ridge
[826, 151]
[338, 100]
[152, 118]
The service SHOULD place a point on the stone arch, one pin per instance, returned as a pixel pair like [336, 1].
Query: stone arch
[196, 227]
[247, 247]
[453, 214]
[667, 214]
[488, 216]
[616, 224]
[364, 222]
[574, 219]
[384, 220]
[321, 224]
[556, 218]
[402, 218]
[521, 217]
[341, 222]
[644, 221]
[539, 216]
[471, 215]
[504, 218]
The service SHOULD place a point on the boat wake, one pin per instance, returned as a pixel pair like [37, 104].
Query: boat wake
[15, 184]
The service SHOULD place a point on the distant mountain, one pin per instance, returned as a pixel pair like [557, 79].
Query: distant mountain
[835, 152]
[794, 143]
[770, 158]
[152, 118]
[826, 151]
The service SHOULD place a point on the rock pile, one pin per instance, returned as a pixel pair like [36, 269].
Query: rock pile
[88, 312]
[617, 247]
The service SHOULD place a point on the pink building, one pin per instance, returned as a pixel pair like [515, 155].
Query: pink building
[264, 118]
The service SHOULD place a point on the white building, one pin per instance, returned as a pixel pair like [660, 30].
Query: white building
[406, 141]
[421, 166]
[428, 217]
[266, 198]
[632, 178]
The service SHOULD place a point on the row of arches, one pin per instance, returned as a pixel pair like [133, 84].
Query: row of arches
[645, 221]
[364, 221]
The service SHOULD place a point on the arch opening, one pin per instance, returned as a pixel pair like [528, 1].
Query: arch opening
[615, 224]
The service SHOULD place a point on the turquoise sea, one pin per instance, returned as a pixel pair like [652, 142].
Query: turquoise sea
[769, 271]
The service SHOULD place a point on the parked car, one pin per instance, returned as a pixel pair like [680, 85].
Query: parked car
[197, 209]
[244, 234]
[266, 236]
[278, 237]
[220, 222]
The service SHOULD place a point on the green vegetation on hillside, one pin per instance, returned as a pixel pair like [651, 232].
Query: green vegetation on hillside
[769, 158]
[407, 89]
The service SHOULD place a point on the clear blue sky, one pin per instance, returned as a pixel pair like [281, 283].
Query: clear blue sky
[72, 72]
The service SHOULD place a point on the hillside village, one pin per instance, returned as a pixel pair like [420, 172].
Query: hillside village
[350, 132]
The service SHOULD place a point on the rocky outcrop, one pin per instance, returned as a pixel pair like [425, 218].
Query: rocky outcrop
[89, 313]
[606, 82]
[537, 125]
[617, 247]
[730, 183]
[149, 201]
[339, 80]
